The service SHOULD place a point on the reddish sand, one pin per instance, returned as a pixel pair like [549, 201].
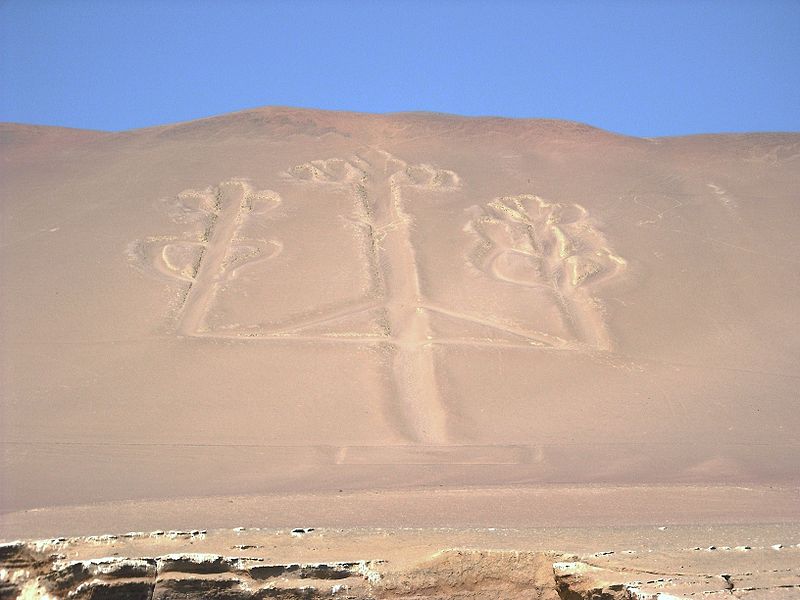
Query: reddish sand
[344, 318]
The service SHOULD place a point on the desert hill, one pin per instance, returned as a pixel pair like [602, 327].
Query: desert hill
[286, 301]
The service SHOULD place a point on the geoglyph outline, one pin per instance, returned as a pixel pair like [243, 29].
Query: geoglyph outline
[523, 240]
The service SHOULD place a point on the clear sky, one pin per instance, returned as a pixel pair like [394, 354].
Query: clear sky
[638, 67]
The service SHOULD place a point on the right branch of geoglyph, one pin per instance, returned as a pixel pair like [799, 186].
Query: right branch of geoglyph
[527, 241]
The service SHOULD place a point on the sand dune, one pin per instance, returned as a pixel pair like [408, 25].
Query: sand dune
[287, 301]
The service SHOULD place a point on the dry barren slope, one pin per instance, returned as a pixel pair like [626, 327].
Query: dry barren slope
[291, 301]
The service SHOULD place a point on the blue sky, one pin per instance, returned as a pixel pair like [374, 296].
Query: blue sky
[637, 67]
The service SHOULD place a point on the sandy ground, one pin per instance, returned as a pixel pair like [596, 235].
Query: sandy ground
[284, 317]
[474, 507]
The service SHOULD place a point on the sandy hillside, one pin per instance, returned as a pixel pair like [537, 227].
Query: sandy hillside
[310, 307]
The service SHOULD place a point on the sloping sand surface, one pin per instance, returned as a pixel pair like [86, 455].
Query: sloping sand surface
[282, 301]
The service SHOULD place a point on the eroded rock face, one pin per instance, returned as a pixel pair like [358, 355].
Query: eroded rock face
[38, 570]
[41, 569]
[448, 574]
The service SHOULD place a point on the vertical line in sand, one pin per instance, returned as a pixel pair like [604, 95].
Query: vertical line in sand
[580, 318]
[211, 270]
[413, 367]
